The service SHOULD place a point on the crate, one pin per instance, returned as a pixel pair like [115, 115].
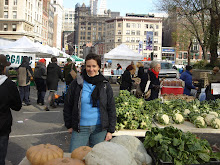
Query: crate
[172, 90]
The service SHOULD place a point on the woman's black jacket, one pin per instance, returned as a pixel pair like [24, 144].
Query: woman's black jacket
[72, 106]
[126, 83]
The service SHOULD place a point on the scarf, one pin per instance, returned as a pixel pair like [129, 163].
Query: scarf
[96, 80]
[155, 73]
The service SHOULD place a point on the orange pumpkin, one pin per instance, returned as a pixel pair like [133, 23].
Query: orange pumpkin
[81, 152]
[65, 161]
[56, 96]
[40, 154]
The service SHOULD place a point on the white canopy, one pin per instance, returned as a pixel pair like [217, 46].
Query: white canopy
[122, 52]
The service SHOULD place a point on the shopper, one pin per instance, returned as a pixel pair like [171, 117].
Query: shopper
[24, 75]
[9, 99]
[140, 69]
[66, 72]
[153, 74]
[89, 108]
[133, 71]
[187, 78]
[40, 74]
[127, 81]
[53, 75]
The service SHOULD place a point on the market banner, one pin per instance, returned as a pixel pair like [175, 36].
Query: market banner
[16, 59]
[149, 41]
[140, 46]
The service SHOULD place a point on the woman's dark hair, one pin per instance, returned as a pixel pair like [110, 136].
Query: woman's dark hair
[92, 56]
[129, 67]
[1, 69]
[53, 59]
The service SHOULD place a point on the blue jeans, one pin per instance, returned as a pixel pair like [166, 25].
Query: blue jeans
[24, 93]
[91, 135]
[3, 148]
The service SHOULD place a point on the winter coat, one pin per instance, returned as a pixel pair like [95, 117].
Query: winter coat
[66, 72]
[72, 106]
[24, 72]
[53, 75]
[154, 82]
[187, 78]
[140, 72]
[40, 71]
[126, 83]
[9, 99]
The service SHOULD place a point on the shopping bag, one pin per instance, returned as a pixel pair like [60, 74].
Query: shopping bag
[72, 72]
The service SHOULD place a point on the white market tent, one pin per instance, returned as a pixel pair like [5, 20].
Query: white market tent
[122, 52]
[122, 55]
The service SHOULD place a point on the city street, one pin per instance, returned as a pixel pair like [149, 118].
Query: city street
[32, 125]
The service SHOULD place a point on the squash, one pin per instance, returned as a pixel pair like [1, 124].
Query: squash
[40, 154]
[108, 153]
[136, 148]
[65, 161]
[81, 152]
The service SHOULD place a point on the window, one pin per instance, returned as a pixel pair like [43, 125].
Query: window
[155, 48]
[137, 39]
[133, 47]
[5, 26]
[151, 26]
[133, 32]
[157, 26]
[89, 28]
[195, 47]
[119, 39]
[127, 25]
[119, 31]
[139, 25]
[119, 24]
[94, 28]
[132, 39]
[128, 32]
[15, 2]
[89, 33]
[137, 46]
[146, 26]
[5, 14]
[138, 32]
[185, 56]
[6, 2]
[100, 29]
[133, 25]
[155, 33]
[145, 33]
[127, 39]
[14, 14]
[155, 40]
[180, 56]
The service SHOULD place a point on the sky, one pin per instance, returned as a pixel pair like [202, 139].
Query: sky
[122, 6]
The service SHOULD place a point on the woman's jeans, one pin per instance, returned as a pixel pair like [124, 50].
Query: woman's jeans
[3, 148]
[91, 135]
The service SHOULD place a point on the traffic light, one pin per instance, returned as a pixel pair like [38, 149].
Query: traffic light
[152, 56]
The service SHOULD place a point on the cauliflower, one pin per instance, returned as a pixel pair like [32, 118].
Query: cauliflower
[199, 122]
[163, 119]
[209, 118]
[213, 113]
[178, 118]
[186, 112]
[215, 123]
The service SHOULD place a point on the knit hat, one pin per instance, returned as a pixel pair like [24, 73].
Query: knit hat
[188, 67]
[42, 60]
[3, 61]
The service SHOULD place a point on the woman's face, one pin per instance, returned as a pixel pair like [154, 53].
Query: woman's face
[157, 68]
[92, 68]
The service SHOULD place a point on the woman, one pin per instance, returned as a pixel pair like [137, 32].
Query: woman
[140, 69]
[126, 79]
[66, 71]
[154, 78]
[89, 108]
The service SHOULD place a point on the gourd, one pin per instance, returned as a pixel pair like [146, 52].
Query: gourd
[65, 161]
[81, 152]
[136, 148]
[40, 154]
[108, 153]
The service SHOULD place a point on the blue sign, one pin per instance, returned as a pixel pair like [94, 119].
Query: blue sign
[168, 50]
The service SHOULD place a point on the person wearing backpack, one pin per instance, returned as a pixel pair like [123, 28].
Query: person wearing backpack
[89, 107]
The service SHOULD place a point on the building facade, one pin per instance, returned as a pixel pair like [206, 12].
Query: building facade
[133, 31]
[51, 10]
[94, 6]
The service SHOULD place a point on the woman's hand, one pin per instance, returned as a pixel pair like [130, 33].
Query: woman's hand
[108, 136]
[70, 130]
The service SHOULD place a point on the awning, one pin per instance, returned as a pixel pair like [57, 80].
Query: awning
[77, 58]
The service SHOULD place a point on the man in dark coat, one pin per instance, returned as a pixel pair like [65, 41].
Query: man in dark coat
[66, 71]
[40, 74]
[9, 99]
[187, 78]
[53, 75]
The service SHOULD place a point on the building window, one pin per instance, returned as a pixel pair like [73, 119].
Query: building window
[119, 31]
[155, 48]
[138, 32]
[5, 14]
[6, 2]
[133, 25]
[146, 26]
[155, 33]
[119, 24]
[137, 39]
[132, 39]
[157, 26]
[145, 33]
[14, 14]
[15, 2]
[119, 39]
[185, 56]
[128, 25]
[5, 26]
[155, 40]
[128, 32]
[151, 26]
[139, 25]
[180, 56]
[137, 46]
[127, 39]
[195, 47]
[89, 28]
[133, 47]
[133, 32]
